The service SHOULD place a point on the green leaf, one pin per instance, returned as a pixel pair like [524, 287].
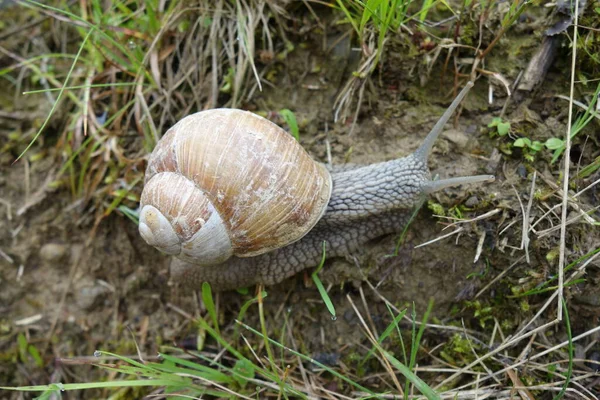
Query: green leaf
[554, 143]
[22, 345]
[290, 120]
[414, 379]
[33, 351]
[503, 128]
[207, 372]
[520, 142]
[536, 145]
[495, 122]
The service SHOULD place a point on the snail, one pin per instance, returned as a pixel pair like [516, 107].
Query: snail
[238, 201]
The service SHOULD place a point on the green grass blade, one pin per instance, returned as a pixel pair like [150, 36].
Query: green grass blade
[408, 224]
[207, 298]
[414, 379]
[58, 97]
[134, 62]
[416, 340]
[261, 371]
[87, 86]
[569, 374]
[544, 287]
[427, 4]
[91, 385]
[290, 119]
[370, 9]
[245, 308]
[306, 358]
[207, 372]
[350, 18]
[387, 332]
[133, 215]
[320, 287]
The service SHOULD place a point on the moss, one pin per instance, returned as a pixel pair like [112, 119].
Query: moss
[436, 208]
[459, 350]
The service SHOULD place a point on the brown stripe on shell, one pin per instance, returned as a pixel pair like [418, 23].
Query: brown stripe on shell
[264, 185]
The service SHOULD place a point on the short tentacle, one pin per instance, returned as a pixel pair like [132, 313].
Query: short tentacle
[434, 186]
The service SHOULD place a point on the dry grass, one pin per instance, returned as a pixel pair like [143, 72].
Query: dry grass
[130, 85]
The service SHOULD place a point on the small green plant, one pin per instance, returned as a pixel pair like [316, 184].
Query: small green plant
[530, 147]
[458, 350]
[502, 127]
[374, 16]
[27, 351]
[290, 119]
[483, 313]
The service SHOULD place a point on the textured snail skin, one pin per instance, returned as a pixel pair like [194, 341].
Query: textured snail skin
[366, 203]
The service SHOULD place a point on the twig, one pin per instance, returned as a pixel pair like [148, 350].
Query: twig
[567, 161]
[457, 230]
[497, 278]
[479, 248]
[526, 218]
[371, 337]
[558, 205]
[523, 236]
[464, 221]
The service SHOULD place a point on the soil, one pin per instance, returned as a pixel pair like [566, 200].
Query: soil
[72, 292]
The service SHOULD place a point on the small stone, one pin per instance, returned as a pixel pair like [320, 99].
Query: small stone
[350, 317]
[53, 252]
[472, 201]
[494, 161]
[458, 138]
[594, 361]
[90, 295]
[471, 129]
[330, 359]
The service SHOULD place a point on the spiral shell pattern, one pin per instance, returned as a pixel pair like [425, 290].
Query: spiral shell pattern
[227, 182]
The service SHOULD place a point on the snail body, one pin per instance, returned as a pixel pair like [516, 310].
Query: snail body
[238, 201]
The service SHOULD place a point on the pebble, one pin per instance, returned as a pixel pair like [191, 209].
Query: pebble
[53, 252]
[594, 362]
[90, 295]
[329, 359]
[494, 161]
[472, 201]
[522, 171]
[459, 138]
[350, 317]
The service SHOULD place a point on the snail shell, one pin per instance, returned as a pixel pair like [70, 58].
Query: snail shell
[227, 182]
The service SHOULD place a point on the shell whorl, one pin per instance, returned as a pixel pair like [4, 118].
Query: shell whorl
[223, 182]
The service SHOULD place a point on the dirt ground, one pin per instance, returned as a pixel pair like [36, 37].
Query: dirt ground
[71, 293]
